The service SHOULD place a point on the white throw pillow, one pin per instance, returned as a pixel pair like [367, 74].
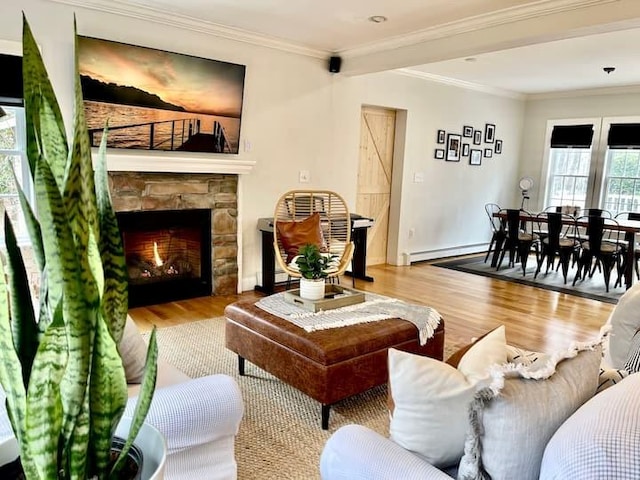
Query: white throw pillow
[430, 398]
[625, 321]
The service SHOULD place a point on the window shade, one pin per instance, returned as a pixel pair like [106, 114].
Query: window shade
[624, 135]
[576, 136]
[10, 80]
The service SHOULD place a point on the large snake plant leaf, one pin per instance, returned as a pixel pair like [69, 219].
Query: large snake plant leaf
[45, 128]
[63, 269]
[11, 378]
[108, 396]
[44, 403]
[115, 297]
[143, 403]
[33, 226]
[24, 326]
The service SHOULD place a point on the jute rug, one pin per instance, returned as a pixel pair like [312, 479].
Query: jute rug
[280, 435]
[593, 287]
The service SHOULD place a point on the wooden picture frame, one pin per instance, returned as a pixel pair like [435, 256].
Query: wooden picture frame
[439, 154]
[467, 131]
[475, 158]
[488, 153]
[465, 149]
[498, 147]
[454, 141]
[441, 136]
[477, 137]
[489, 133]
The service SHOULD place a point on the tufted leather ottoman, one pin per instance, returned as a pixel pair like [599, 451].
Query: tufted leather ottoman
[328, 365]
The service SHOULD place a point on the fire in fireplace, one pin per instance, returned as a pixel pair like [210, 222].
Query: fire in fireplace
[168, 254]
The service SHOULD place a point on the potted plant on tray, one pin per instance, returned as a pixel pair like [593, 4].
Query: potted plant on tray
[59, 364]
[314, 267]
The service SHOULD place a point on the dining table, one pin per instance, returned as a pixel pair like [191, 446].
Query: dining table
[629, 227]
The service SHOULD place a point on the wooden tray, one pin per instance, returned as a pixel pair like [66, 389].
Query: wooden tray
[335, 296]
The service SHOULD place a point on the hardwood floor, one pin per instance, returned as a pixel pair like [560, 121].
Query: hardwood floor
[471, 305]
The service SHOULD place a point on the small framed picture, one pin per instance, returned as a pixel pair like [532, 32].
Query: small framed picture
[439, 153]
[498, 147]
[489, 133]
[440, 136]
[476, 157]
[477, 137]
[453, 147]
[467, 131]
[465, 149]
[488, 153]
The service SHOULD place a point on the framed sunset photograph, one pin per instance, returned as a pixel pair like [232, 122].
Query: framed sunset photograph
[158, 100]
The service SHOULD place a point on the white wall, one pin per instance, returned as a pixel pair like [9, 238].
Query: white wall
[299, 116]
[552, 107]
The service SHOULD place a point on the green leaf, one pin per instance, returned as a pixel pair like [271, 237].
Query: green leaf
[108, 393]
[24, 326]
[44, 403]
[45, 128]
[144, 401]
[33, 226]
[115, 297]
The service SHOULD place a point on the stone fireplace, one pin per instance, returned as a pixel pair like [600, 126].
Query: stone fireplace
[178, 195]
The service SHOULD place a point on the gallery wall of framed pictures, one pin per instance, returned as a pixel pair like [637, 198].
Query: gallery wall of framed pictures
[470, 142]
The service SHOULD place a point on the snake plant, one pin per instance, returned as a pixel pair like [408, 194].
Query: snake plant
[60, 367]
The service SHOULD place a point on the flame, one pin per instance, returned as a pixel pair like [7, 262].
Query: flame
[156, 257]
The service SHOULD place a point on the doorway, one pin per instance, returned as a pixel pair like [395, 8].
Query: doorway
[373, 199]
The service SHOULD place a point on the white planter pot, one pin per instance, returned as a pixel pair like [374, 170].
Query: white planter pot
[311, 289]
[153, 446]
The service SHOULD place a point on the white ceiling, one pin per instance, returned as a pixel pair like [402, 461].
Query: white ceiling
[523, 46]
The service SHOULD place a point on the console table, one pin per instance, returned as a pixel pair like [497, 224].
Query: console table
[359, 226]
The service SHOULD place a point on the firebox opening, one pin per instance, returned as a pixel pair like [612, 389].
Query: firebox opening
[168, 254]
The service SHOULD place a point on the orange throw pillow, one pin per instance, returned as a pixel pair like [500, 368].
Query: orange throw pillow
[294, 234]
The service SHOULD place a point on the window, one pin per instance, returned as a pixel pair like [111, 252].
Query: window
[594, 164]
[13, 156]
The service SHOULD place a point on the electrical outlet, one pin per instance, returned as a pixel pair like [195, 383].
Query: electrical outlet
[304, 176]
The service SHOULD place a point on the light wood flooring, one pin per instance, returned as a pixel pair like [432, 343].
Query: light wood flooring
[471, 305]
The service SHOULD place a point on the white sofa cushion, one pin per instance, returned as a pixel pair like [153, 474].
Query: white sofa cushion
[430, 398]
[624, 321]
[513, 419]
[600, 440]
[133, 352]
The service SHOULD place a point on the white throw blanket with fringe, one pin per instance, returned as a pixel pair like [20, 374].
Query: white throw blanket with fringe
[374, 308]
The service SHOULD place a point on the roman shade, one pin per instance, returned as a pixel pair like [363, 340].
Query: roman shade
[572, 136]
[624, 135]
[11, 80]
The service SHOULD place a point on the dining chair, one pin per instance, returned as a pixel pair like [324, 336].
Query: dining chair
[520, 239]
[559, 242]
[497, 229]
[595, 252]
[636, 248]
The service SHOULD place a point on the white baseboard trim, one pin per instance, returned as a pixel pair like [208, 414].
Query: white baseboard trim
[448, 252]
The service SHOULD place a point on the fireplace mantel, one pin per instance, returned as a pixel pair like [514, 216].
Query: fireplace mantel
[172, 163]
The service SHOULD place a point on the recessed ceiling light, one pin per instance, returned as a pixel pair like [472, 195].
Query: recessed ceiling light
[377, 18]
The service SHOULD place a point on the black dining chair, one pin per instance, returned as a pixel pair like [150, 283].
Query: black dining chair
[559, 242]
[497, 229]
[594, 252]
[520, 239]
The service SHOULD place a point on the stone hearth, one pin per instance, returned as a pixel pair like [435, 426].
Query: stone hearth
[132, 191]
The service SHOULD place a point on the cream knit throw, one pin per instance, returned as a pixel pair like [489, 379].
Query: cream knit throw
[374, 308]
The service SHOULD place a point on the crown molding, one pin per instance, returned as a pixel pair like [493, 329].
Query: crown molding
[494, 19]
[141, 12]
[586, 92]
[459, 83]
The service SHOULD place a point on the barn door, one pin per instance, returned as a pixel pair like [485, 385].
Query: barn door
[377, 134]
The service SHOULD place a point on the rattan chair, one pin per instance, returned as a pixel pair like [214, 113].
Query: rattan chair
[320, 217]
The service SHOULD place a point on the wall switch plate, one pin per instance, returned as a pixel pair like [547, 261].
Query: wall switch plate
[418, 177]
[304, 176]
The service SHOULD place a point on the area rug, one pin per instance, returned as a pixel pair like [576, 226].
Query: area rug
[593, 288]
[280, 435]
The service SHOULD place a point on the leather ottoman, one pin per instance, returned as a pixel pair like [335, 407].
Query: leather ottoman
[327, 365]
